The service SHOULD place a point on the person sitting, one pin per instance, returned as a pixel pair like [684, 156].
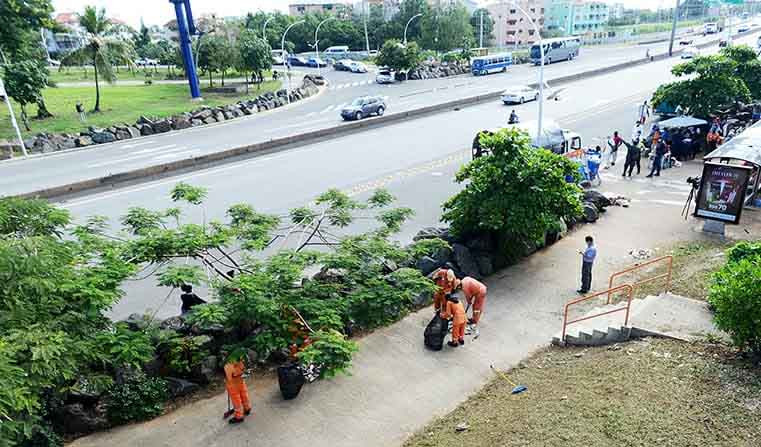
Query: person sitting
[189, 299]
[513, 118]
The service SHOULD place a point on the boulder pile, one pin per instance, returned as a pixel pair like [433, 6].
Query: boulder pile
[437, 71]
[47, 142]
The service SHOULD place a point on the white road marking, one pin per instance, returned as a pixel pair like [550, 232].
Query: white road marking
[311, 114]
[133, 157]
[142, 143]
[174, 154]
[328, 109]
[355, 84]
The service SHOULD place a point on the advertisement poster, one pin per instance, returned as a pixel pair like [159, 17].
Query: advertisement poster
[722, 192]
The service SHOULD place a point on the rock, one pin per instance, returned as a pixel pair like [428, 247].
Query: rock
[422, 300]
[462, 426]
[80, 418]
[584, 184]
[125, 374]
[145, 129]
[483, 242]
[442, 255]
[600, 201]
[67, 143]
[144, 120]
[210, 120]
[253, 356]
[433, 232]
[201, 114]
[162, 126]
[174, 323]
[485, 265]
[206, 371]
[464, 259]
[83, 141]
[590, 212]
[123, 135]
[137, 322]
[133, 132]
[330, 275]
[180, 387]
[180, 123]
[426, 265]
[103, 137]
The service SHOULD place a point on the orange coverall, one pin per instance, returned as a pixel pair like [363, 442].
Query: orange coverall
[445, 288]
[456, 312]
[237, 388]
[475, 293]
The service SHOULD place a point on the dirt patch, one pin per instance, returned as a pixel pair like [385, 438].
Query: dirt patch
[643, 393]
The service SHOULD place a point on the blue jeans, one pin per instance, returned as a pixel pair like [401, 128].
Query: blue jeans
[657, 162]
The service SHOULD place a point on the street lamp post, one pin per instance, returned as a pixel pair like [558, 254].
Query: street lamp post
[407, 26]
[264, 28]
[282, 48]
[317, 45]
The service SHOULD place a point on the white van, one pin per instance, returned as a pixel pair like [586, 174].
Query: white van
[337, 49]
[710, 28]
[279, 57]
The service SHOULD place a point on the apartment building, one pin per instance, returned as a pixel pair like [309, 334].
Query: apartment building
[513, 28]
[576, 17]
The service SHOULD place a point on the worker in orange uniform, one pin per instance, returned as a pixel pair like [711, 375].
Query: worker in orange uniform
[475, 294]
[456, 312]
[236, 386]
[447, 282]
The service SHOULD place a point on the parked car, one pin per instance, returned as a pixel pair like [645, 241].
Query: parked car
[519, 94]
[364, 106]
[342, 65]
[279, 57]
[743, 28]
[690, 53]
[145, 62]
[297, 61]
[357, 67]
[685, 41]
[53, 63]
[385, 76]
[316, 62]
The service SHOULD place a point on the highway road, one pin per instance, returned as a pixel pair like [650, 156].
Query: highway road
[25, 175]
[415, 160]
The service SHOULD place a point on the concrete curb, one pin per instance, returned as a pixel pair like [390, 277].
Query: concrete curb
[283, 143]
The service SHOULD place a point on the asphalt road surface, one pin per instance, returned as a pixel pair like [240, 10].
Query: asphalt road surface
[415, 160]
[25, 175]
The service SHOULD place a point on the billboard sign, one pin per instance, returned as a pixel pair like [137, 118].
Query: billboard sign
[722, 192]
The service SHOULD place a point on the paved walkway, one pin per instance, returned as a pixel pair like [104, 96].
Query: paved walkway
[396, 385]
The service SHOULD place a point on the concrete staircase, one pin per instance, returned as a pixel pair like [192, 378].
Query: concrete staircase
[665, 315]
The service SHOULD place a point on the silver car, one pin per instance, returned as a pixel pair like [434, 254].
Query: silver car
[364, 106]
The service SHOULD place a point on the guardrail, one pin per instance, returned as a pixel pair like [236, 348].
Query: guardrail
[670, 263]
[626, 287]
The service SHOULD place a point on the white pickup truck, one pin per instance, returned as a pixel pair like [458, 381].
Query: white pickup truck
[553, 137]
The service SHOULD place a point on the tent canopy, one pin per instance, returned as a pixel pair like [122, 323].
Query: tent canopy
[745, 147]
[682, 121]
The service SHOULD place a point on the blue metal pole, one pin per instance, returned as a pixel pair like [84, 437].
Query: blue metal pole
[189, 15]
[187, 54]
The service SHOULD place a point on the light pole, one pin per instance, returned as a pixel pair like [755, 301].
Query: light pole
[673, 28]
[317, 46]
[282, 48]
[264, 28]
[408, 25]
[481, 36]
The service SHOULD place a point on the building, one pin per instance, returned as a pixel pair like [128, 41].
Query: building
[470, 5]
[337, 8]
[576, 17]
[71, 38]
[511, 27]
[617, 11]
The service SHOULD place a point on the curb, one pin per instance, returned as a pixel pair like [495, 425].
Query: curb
[283, 143]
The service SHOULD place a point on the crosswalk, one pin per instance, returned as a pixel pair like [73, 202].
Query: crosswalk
[336, 108]
[350, 84]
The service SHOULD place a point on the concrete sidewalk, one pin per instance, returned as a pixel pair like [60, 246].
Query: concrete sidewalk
[396, 385]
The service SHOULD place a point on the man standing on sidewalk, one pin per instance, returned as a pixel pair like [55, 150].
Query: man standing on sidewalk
[588, 256]
[643, 112]
[660, 151]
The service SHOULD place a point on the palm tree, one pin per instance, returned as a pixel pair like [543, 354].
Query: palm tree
[100, 49]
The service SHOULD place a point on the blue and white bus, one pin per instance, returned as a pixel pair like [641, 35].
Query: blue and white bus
[559, 49]
[492, 63]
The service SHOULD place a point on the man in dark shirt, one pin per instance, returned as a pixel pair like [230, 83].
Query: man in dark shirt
[660, 151]
[189, 299]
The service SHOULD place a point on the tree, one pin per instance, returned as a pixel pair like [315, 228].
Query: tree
[18, 19]
[517, 192]
[99, 50]
[254, 56]
[142, 40]
[398, 57]
[747, 68]
[215, 54]
[444, 29]
[24, 81]
[488, 24]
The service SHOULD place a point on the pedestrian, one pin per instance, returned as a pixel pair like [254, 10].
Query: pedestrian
[81, 111]
[455, 312]
[633, 157]
[647, 54]
[643, 112]
[588, 256]
[513, 119]
[475, 296]
[660, 151]
[614, 145]
[637, 131]
[446, 281]
[236, 386]
[189, 299]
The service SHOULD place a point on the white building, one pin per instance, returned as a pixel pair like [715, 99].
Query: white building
[511, 27]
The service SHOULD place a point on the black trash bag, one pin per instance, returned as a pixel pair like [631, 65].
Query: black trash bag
[434, 333]
[291, 379]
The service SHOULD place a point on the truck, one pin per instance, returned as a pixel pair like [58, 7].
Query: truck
[553, 137]
[711, 28]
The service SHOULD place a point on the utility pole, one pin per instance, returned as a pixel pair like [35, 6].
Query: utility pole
[673, 28]
[481, 40]
[364, 13]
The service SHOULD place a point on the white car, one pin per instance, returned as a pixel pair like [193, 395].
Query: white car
[385, 76]
[357, 67]
[690, 53]
[743, 28]
[519, 95]
[145, 62]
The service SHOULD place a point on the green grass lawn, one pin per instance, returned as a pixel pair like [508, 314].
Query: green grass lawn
[118, 104]
[85, 74]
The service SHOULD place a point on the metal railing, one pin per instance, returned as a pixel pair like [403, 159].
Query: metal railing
[610, 291]
[667, 275]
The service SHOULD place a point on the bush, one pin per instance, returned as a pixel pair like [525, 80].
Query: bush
[735, 296]
[744, 250]
[139, 398]
[330, 350]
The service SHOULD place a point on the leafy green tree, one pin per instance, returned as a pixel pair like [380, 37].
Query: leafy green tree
[100, 50]
[19, 19]
[488, 25]
[747, 68]
[517, 191]
[399, 57]
[254, 56]
[209, 55]
[445, 29]
[142, 40]
[24, 81]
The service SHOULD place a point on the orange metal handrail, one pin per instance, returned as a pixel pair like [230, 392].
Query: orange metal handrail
[627, 287]
[667, 275]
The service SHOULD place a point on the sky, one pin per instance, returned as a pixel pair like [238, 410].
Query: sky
[158, 12]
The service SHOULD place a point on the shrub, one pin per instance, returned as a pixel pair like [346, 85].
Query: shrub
[330, 350]
[139, 398]
[736, 298]
[744, 250]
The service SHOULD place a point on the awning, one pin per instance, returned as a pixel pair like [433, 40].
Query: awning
[682, 121]
[745, 147]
